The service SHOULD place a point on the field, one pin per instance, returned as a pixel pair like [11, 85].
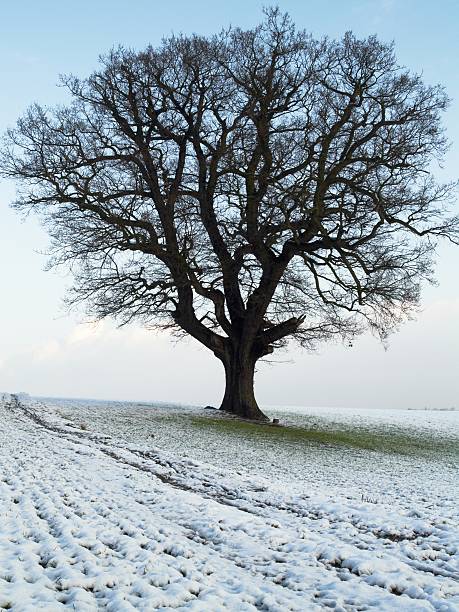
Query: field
[116, 506]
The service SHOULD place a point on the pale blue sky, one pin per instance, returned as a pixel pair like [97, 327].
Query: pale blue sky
[45, 351]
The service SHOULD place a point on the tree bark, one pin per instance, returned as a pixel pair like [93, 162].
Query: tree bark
[239, 398]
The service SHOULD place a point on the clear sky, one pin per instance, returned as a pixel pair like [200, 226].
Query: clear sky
[44, 350]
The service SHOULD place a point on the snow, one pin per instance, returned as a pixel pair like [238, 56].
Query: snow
[111, 506]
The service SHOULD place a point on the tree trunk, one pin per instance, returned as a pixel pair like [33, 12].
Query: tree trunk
[239, 398]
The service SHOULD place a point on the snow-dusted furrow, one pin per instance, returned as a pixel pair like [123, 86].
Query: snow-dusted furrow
[88, 522]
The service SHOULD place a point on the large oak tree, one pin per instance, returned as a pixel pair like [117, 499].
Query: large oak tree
[246, 188]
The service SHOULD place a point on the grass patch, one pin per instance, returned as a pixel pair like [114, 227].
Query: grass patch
[398, 442]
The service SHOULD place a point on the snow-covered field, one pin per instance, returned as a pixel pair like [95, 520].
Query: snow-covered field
[115, 506]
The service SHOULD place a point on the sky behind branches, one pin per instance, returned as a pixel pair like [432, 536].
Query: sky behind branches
[46, 351]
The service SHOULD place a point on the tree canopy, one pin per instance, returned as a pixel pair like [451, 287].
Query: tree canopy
[244, 188]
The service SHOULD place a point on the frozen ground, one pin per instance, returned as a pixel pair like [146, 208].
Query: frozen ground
[134, 507]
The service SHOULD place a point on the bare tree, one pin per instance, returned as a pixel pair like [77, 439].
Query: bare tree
[245, 189]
